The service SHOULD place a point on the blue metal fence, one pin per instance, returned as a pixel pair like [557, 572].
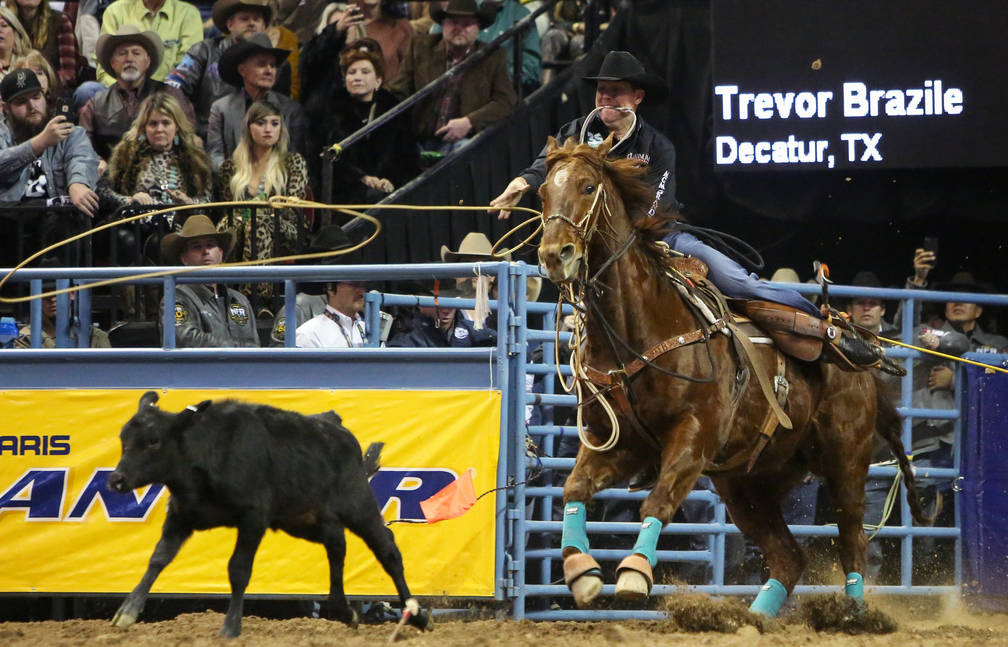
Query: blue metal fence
[524, 514]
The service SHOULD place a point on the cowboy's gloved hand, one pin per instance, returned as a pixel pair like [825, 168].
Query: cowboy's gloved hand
[512, 195]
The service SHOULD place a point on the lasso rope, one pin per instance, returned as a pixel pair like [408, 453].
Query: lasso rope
[276, 202]
[943, 355]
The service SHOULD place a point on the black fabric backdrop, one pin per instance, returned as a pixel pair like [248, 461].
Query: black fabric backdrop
[863, 220]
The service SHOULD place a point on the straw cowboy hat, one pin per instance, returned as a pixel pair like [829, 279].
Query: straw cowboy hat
[237, 53]
[197, 226]
[475, 245]
[484, 14]
[149, 40]
[624, 66]
[224, 9]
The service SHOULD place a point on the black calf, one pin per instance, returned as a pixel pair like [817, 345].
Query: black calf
[255, 467]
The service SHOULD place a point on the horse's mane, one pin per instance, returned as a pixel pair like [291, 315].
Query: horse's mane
[627, 176]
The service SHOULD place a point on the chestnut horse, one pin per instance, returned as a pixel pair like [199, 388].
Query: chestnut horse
[684, 409]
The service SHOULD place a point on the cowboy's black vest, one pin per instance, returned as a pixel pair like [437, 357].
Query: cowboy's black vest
[112, 119]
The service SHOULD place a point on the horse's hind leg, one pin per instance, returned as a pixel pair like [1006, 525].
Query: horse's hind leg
[754, 505]
[848, 437]
[593, 471]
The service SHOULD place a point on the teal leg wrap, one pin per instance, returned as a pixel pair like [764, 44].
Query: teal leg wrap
[770, 599]
[574, 533]
[647, 540]
[854, 587]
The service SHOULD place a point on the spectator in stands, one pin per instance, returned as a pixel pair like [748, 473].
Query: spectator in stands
[340, 324]
[306, 17]
[392, 32]
[52, 34]
[99, 338]
[178, 24]
[263, 167]
[198, 74]
[621, 85]
[467, 103]
[311, 298]
[474, 248]
[130, 57]
[42, 156]
[964, 317]
[372, 168]
[251, 66]
[47, 78]
[342, 25]
[14, 40]
[509, 12]
[438, 326]
[565, 39]
[288, 76]
[207, 315]
[160, 160]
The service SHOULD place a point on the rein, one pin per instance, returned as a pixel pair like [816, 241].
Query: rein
[617, 381]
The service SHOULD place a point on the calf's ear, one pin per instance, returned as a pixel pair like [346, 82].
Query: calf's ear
[147, 400]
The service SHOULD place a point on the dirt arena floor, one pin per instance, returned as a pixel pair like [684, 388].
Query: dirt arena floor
[693, 620]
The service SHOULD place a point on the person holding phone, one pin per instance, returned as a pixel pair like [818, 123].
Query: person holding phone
[41, 155]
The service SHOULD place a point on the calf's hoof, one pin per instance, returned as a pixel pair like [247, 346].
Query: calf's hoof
[583, 577]
[125, 615]
[417, 617]
[230, 632]
[635, 578]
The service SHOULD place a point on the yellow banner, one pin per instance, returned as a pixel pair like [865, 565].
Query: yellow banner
[64, 532]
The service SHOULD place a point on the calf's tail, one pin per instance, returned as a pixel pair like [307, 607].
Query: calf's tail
[372, 458]
[888, 425]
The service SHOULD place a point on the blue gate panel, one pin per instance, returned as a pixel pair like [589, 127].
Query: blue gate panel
[984, 495]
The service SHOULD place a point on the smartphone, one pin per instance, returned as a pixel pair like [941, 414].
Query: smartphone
[64, 109]
[931, 244]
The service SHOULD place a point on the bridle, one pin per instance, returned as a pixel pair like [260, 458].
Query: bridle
[585, 290]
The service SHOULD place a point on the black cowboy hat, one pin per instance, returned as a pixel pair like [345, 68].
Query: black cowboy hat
[330, 238]
[868, 279]
[624, 66]
[964, 282]
[224, 9]
[237, 53]
[485, 14]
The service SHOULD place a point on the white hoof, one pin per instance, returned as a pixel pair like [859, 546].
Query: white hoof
[632, 585]
[585, 589]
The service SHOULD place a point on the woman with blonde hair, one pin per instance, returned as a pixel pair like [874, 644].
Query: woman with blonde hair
[34, 61]
[262, 167]
[14, 41]
[159, 160]
[51, 32]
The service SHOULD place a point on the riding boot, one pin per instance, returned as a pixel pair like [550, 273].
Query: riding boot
[811, 338]
[861, 353]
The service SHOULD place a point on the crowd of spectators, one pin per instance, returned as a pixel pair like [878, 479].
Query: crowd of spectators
[152, 103]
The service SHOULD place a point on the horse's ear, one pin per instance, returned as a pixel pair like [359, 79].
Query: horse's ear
[604, 148]
[551, 144]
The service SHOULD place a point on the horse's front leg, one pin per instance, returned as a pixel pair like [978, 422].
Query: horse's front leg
[682, 461]
[593, 471]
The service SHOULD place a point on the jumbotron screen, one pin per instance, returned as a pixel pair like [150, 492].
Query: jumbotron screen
[859, 84]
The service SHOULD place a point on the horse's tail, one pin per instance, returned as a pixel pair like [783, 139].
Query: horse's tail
[888, 425]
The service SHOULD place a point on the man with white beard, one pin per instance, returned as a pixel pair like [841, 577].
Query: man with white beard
[131, 56]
